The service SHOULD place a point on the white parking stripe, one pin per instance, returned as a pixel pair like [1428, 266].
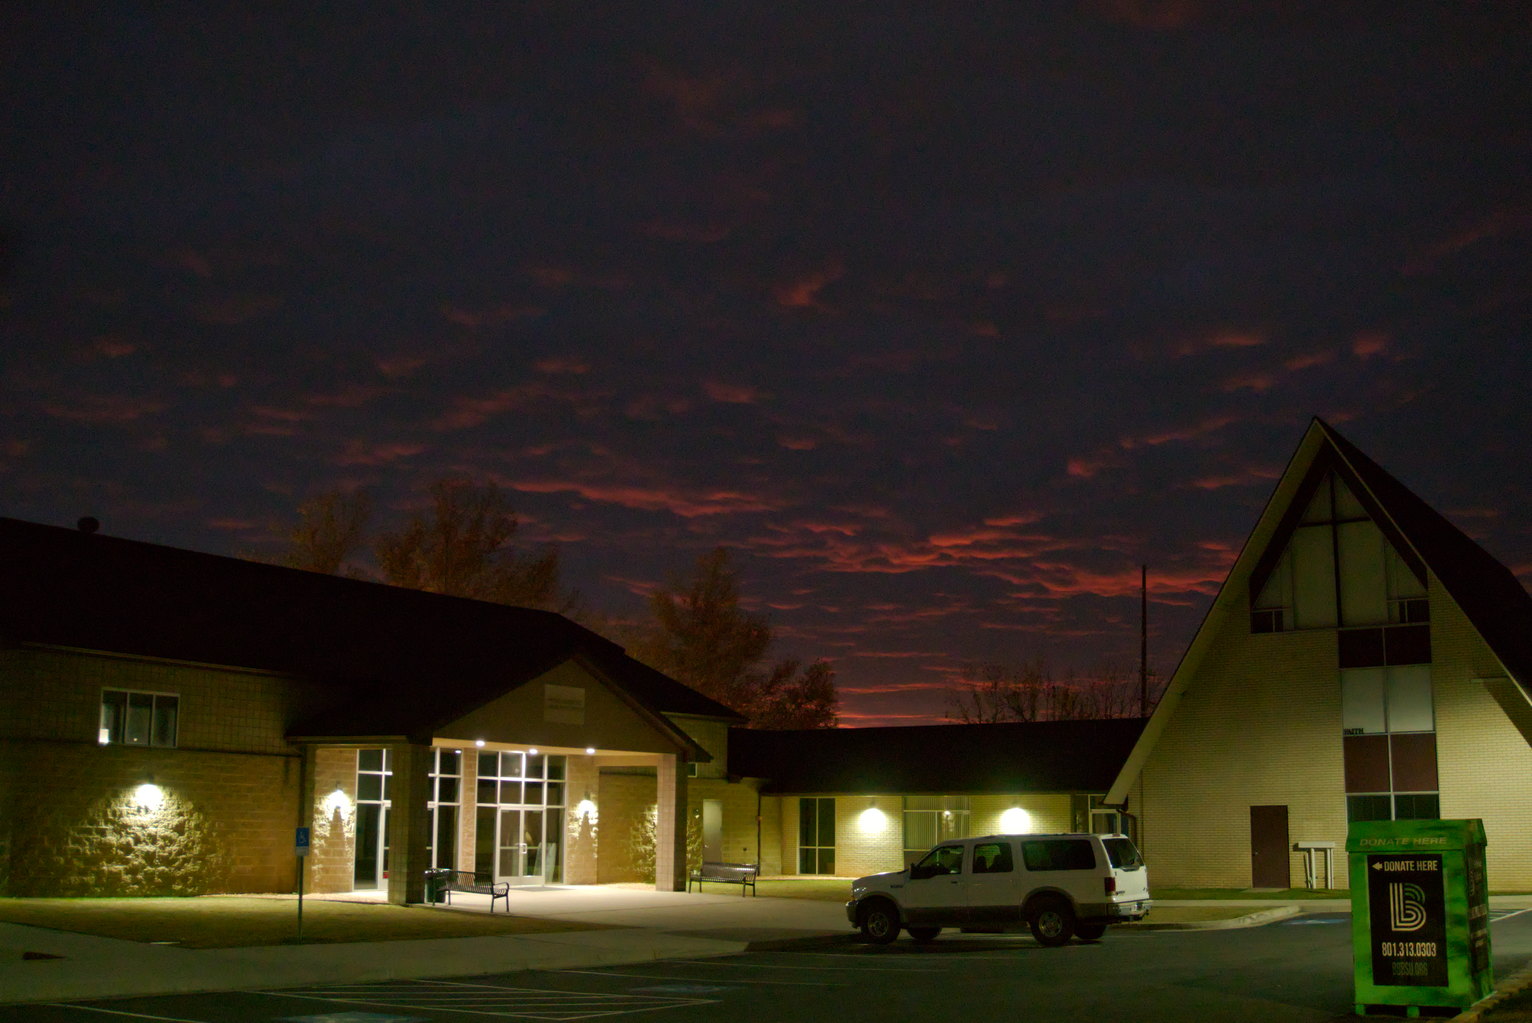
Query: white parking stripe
[119, 1012]
[673, 977]
[795, 968]
[490, 999]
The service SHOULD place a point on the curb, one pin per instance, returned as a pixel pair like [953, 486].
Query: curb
[1515, 984]
[1256, 919]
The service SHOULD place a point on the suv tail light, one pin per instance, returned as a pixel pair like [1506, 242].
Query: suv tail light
[1110, 883]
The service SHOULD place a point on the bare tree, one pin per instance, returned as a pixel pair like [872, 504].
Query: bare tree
[331, 531]
[462, 547]
[991, 692]
[704, 638]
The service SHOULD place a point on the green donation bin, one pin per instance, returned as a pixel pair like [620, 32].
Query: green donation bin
[1419, 914]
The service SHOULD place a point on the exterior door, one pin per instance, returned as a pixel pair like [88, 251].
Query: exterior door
[521, 847]
[712, 831]
[1269, 860]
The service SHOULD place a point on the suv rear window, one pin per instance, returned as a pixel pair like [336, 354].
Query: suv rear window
[1123, 853]
[1059, 854]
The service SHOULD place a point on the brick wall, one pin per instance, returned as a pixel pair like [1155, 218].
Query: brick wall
[623, 801]
[1261, 725]
[332, 855]
[73, 825]
[225, 823]
[1481, 756]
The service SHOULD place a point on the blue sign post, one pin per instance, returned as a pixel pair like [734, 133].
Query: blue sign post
[301, 844]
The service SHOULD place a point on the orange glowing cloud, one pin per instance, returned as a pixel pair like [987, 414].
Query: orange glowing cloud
[104, 408]
[493, 316]
[803, 292]
[673, 500]
[731, 394]
[360, 452]
[1369, 343]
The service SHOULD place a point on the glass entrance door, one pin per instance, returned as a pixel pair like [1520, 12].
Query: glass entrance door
[520, 817]
[521, 847]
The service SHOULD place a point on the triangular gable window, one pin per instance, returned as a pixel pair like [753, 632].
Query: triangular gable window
[1336, 568]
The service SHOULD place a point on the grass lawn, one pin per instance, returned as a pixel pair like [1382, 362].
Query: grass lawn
[1273, 894]
[224, 921]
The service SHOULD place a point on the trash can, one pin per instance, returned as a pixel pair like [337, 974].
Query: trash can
[436, 885]
[1419, 914]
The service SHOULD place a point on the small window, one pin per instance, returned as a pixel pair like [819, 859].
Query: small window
[138, 719]
[993, 858]
[1059, 854]
[1417, 806]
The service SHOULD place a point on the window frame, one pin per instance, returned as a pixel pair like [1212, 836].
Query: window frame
[119, 732]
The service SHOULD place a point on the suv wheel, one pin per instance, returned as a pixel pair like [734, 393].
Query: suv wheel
[924, 934]
[1052, 922]
[1090, 932]
[880, 921]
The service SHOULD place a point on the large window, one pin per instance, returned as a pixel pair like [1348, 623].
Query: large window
[1338, 569]
[932, 819]
[138, 719]
[446, 784]
[374, 796]
[1389, 734]
[519, 818]
[816, 835]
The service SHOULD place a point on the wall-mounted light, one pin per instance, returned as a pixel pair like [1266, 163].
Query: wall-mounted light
[149, 797]
[1015, 821]
[585, 808]
[590, 751]
[479, 743]
[872, 820]
[532, 751]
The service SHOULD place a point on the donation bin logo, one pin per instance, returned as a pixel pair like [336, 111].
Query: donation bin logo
[1407, 911]
[1406, 907]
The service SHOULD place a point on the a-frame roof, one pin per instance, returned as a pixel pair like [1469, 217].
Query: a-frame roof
[1494, 600]
[379, 660]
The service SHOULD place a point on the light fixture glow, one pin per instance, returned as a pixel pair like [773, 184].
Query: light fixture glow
[479, 743]
[590, 751]
[532, 751]
[1015, 821]
[585, 808]
[872, 820]
[149, 797]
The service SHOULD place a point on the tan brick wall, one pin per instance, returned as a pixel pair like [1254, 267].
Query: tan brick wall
[623, 800]
[582, 831]
[231, 787]
[332, 855]
[1481, 757]
[738, 837]
[1261, 725]
[225, 825]
[56, 694]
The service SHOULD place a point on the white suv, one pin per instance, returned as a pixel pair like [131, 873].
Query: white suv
[1061, 886]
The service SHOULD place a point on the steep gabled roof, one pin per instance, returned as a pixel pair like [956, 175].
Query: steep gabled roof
[391, 661]
[1494, 600]
[1037, 756]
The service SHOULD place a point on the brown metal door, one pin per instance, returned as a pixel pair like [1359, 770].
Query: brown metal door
[1269, 860]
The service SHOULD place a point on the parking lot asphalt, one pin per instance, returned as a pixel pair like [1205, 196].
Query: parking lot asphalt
[705, 957]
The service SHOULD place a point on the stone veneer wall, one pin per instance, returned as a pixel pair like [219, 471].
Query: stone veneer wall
[623, 801]
[332, 854]
[72, 826]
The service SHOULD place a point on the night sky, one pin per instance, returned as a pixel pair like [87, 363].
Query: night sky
[943, 317]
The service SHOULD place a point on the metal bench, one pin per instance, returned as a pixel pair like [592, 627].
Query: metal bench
[441, 882]
[742, 874]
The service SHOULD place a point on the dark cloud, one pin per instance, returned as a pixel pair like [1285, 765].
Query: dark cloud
[946, 319]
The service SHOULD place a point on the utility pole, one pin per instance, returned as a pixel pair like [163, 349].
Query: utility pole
[1143, 641]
